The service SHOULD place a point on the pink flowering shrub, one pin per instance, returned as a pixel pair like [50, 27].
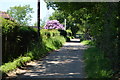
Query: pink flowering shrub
[53, 24]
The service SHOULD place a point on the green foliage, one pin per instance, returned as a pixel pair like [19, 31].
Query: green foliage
[69, 35]
[58, 15]
[36, 50]
[13, 65]
[7, 25]
[27, 35]
[51, 42]
[76, 21]
[21, 14]
[50, 33]
[15, 39]
[47, 33]
[97, 21]
[97, 65]
[63, 33]
[70, 7]
[68, 31]
[54, 43]
[85, 42]
[52, 38]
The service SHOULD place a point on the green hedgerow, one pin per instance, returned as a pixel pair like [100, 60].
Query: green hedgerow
[97, 65]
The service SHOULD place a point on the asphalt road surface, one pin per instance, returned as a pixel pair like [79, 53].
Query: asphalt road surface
[67, 62]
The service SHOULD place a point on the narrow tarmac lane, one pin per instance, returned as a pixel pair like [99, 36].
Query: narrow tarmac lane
[66, 62]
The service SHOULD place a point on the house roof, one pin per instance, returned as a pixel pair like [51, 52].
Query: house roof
[5, 15]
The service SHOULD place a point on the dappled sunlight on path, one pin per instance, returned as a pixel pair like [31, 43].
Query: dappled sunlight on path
[66, 62]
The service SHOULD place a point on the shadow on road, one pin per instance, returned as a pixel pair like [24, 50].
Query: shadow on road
[66, 62]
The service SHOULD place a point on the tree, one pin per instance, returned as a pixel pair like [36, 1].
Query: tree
[58, 15]
[101, 20]
[61, 16]
[70, 7]
[21, 14]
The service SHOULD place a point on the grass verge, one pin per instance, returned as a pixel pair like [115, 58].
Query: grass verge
[13, 65]
[85, 42]
[39, 50]
[97, 65]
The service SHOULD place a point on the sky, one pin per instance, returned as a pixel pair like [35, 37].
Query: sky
[44, 13]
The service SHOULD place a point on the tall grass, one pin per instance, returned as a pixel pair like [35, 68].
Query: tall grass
[87, 42]
[54, 42]
[97, 65]
[13, 65]
[41, 48]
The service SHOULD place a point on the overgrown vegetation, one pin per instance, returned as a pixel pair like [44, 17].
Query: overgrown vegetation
[15, 40]
[39, 49]
[86, 42]
[98, 22]
[13, 65]
[97, 65]
[23, 41]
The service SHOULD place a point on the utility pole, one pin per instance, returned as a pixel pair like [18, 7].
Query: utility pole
[65, 24]
[38, 18]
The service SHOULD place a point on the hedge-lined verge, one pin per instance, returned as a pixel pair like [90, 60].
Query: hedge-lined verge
[25, 40]
[48, 44]
[38, 50]
[36, 53]
[97, 65]
[15, 40]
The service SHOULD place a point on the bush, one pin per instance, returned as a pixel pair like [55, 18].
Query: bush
[50, 32]
[48, 43]
[54, 42]
[97, 65]
[69, 33]
[23, 41]
[54, 32]
[53, 24]
[15, 40]
[37, 51]
[86, 42]
[68, 39]
[64, 33]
